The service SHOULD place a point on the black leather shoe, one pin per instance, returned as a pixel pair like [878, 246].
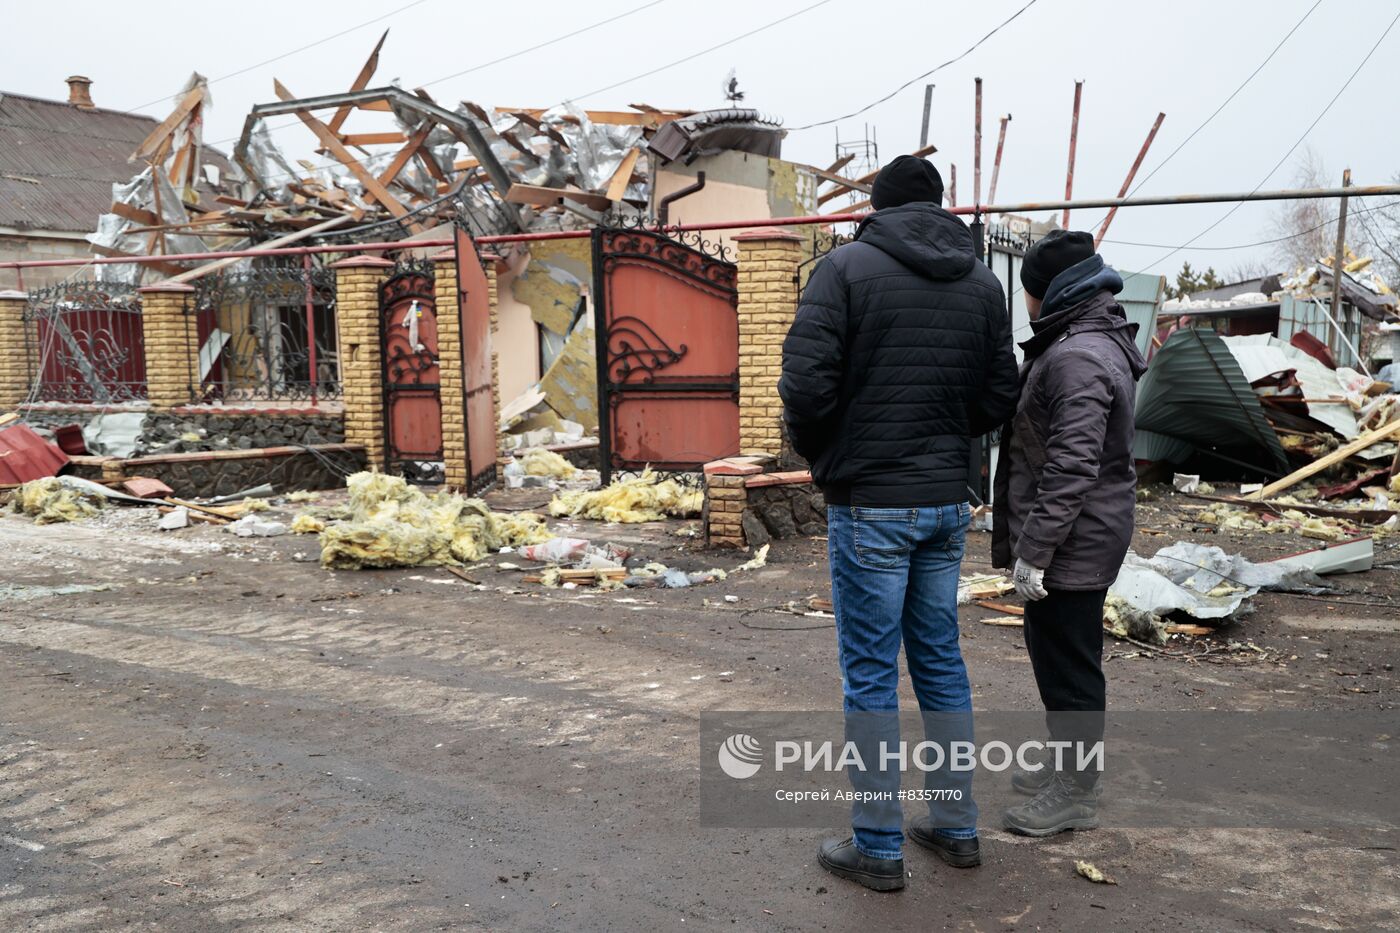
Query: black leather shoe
[842, 858]
[960, 853]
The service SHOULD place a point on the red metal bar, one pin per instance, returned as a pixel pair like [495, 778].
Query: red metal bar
[996, 162]
[310, 323]
[977, 147]
[1073, 140]
[1137, 164]
[1021, 207]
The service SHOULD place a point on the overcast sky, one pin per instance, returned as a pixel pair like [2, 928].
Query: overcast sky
[1183, 58]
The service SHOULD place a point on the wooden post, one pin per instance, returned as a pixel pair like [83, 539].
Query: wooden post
[928, 106]
[1073, 141]
[1339, 259]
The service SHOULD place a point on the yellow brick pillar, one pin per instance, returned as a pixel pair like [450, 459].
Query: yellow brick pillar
[452, 393]
[14, 353]
[725, 500]
[172, 344]
[768, 261]
[502, 458]
[357, 282]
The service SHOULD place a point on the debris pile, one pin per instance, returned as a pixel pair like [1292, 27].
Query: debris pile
[393, 524]
[50, 500]
[645, 497]
[414, 166]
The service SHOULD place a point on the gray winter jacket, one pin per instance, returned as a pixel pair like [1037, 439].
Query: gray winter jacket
[1065, 485]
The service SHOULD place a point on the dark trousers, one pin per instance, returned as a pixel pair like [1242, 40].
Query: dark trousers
[1064, 638]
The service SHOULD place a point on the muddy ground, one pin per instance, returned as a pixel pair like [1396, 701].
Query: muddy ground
[225, 736]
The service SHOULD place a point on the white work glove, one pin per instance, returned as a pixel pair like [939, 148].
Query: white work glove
[1030, 581]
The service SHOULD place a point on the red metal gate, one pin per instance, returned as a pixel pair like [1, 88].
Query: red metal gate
[474, 300]
[412, 386]
[667, 329]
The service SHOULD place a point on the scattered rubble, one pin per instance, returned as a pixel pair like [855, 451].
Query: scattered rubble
[50, 500]
[645, 497]
[394, 524]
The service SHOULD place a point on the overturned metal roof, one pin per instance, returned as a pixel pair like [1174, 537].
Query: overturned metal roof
[712, 131]
[1194, 397]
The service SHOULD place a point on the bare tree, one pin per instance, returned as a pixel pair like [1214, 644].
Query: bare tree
[1306, 230]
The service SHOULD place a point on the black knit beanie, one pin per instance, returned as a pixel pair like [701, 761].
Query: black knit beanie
[1050, 256]
[905, 180]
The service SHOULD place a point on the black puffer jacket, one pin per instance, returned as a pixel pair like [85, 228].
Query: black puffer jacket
[900, 353]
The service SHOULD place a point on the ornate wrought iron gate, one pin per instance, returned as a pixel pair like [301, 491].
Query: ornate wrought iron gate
[667, 329]
[412, 386]
[474, 300]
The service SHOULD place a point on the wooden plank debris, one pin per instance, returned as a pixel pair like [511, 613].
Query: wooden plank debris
[1322, 463]
[540, 196]
[331, 141]
[617, 185]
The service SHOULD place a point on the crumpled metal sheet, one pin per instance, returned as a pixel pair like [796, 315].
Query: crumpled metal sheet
[112, 230]
[1195, 395]
[1203, 581]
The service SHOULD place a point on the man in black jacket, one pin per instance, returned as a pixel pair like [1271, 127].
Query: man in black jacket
[1065, 495]
[899, 356]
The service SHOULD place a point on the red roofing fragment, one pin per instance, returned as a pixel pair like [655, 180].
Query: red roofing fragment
[25, 455]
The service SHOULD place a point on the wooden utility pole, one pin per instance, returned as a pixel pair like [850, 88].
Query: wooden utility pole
[1339, 259]
[1073, 140]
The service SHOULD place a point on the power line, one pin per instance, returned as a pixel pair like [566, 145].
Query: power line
[1282, 239]
[497, 61]
[681, 61]
[1291, 149]
[310, 45]
[534, 48]
[1296, 26]
[951, 61]
[646, 74]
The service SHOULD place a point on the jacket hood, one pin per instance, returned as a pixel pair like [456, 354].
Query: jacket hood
[1079, 300]
[923, 237]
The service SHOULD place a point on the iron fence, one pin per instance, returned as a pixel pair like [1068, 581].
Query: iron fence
[84, 343]
[264, 333]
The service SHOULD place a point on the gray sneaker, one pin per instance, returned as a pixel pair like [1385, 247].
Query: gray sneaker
[1062, 805]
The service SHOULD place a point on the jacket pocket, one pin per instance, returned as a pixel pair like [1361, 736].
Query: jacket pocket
[883, 538]
[1025, 436]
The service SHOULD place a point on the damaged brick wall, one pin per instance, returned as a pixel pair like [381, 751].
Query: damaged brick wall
[768, 263]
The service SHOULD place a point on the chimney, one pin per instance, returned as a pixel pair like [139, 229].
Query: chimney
[78, 94]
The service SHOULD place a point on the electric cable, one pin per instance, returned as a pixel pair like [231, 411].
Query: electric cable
[951, 61]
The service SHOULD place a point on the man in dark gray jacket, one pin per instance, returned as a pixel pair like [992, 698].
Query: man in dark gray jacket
[1065, 494]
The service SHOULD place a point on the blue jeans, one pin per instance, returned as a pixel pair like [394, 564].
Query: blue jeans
[894, 577]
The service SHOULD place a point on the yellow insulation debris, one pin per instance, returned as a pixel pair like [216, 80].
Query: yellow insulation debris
[49, 501]
[540, 462]
[394, 524]
[305, 524]
[303, 495]
[641, 498]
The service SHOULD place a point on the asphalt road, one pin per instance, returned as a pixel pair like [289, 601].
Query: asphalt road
[230, 738]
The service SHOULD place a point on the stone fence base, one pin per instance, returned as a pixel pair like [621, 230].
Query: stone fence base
[225, 472]
[747, 507]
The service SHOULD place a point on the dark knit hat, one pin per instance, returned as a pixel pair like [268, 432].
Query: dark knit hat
[1050, 256]
[905, 180]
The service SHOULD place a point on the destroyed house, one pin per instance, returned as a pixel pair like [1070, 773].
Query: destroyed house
[59, 161]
